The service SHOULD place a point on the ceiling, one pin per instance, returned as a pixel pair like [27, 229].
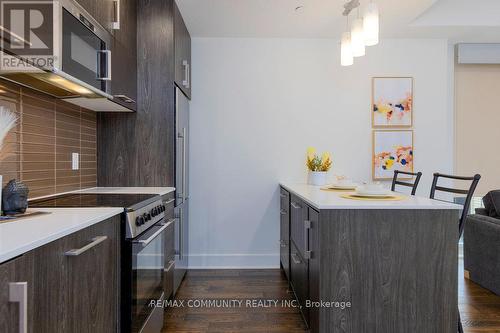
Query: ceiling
[459, 20]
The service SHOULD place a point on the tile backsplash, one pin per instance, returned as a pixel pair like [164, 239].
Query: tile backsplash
[39, 150]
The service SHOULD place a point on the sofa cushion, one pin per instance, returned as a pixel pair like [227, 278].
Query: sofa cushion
[492, 203]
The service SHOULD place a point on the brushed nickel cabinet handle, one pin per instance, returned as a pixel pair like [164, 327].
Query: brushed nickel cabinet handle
[95, 241]
[295, 205]
[148, 240]
[169, 202]
[307, 228]
[116, 13]
[282, 195]
[124, 98]
[295, 259]
[186, 82]
[18, 293]
[282, 212]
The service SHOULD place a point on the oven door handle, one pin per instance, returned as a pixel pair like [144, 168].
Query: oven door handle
[145, 242]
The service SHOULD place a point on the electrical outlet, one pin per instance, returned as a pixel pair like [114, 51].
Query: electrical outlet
[75, 161]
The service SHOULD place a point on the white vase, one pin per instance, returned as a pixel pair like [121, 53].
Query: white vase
[317, 178]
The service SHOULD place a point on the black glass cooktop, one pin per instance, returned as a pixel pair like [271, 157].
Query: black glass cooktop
[128, 201]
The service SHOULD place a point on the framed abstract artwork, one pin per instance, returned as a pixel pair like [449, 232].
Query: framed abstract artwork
[392, 102]
[392, 150]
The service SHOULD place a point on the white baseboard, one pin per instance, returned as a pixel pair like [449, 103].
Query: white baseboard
[234, 261]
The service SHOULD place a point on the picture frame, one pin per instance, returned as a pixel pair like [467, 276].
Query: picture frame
[392, 150]
[392, 102]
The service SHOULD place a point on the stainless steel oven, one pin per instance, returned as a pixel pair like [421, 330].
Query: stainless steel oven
[147, 266]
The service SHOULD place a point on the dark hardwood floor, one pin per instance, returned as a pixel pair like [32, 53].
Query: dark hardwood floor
[480, 309]
[238, 285]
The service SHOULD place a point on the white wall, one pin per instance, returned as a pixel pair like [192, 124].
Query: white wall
[259, 103]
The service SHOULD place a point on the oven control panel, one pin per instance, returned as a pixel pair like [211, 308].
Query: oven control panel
[141, 219]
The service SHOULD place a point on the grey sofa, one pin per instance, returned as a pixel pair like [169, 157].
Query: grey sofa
[482, 246]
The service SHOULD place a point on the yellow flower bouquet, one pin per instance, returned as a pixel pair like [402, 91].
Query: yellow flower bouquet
[318, 166]
[316, 163]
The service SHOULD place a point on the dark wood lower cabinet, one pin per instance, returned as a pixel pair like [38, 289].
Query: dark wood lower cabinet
[299, 279]
[93, 279]
[72, 283]
[285, 231]
[314, 268]
[18, 271]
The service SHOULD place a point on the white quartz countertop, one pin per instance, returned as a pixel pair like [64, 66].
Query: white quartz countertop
[23, 235]
[320, 199]
[129, 190]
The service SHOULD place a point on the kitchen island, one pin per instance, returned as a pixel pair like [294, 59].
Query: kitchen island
[370, 266]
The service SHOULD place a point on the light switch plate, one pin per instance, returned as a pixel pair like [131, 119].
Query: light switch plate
[75, 161]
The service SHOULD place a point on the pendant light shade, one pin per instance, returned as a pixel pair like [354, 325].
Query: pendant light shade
[346, 58]
[371, 24]
[358, 38]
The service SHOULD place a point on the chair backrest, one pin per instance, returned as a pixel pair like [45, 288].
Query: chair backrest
[396, 181]
[469, 193]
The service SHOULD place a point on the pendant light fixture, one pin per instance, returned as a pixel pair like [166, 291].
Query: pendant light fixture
[346, 58]
[364, 32]
[358, 37]
[371, 24]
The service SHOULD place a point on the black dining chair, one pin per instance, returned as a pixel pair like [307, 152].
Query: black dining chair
[468, 197]
[414, 185]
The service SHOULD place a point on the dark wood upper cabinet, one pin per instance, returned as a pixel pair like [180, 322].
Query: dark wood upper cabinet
[137, 149]
[182, 45]
[124, 56]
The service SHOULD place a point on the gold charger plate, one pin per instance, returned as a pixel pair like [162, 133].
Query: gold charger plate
[390, 197]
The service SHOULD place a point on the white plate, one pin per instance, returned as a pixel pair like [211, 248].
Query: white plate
[373, 193]
[377, 196]
[342, 186]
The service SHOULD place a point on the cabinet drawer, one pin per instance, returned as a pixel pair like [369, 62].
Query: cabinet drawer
[298, 224]
[299, 278]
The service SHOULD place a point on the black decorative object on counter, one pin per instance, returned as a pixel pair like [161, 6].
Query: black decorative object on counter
[15, 198]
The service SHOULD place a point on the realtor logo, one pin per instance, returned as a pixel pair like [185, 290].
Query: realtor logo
[26, 34]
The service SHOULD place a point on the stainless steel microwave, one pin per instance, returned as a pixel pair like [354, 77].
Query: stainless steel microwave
[78, 68]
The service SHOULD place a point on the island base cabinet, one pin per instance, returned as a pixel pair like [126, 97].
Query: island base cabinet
[72, 283]
[375, 270]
